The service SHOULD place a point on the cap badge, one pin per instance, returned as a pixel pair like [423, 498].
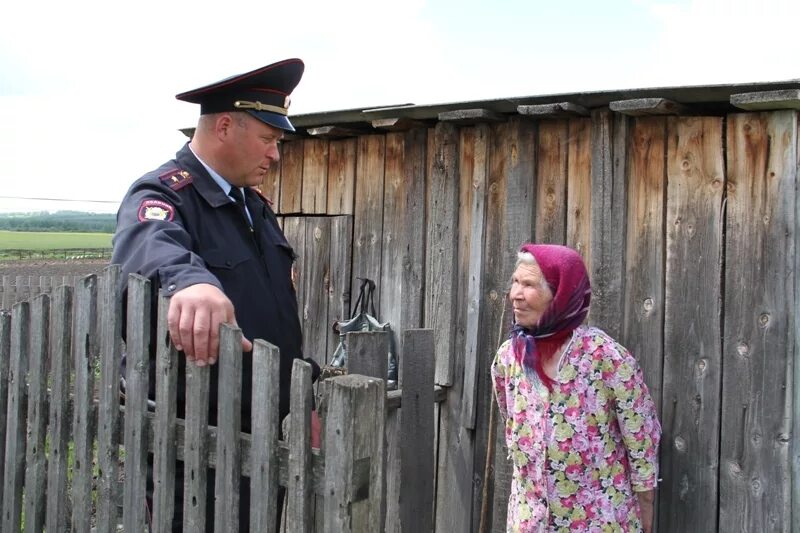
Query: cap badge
[258, 106]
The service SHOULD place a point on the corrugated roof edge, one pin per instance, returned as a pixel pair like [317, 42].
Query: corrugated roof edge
[716, 98]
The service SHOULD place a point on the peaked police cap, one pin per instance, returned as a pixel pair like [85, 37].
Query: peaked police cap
[264, 93]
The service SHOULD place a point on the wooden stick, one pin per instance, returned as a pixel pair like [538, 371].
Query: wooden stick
[491, 432]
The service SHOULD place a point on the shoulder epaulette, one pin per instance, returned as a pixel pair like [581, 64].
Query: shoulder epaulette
[176, 179]
[261, 195]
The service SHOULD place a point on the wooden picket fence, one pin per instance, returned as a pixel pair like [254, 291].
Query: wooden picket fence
[16, 289]
[74, 459]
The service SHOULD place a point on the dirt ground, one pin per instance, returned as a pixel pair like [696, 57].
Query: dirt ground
[42, 267]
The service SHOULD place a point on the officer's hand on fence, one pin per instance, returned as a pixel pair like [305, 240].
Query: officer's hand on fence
[194, 316]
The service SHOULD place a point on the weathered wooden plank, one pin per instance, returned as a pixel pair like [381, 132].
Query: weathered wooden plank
[35, 457]
[551, 181]
[291, 196]
[84, 416]
[643, 320]
[368, 210]
[164, 430]
[315, 176]
[264, 430]
[341, 176]
[471, 116]
[58, 431]
[229, 426]
[397, 124]
[196, 447]
[579, 188]
[559, 109]
[299, 488]
[20, 294]
[609, 200]
[767, 100]
[638, 107]
[354, 439]
[795, 389]
[315, 279]
[366, 353]
[335, 132]
[440, 261]
[511, 200]
[294, 228]
[403, 260]
[5, 361]
[760, 242]
[403, 255]
[8, 292]
[417, 371]
[692, 365]
[110, 331]
[339, 275]
[136, 386]
[14, 469]
[271, 185]
[474, 160]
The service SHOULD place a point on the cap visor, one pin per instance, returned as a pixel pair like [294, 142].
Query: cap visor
[273, 119]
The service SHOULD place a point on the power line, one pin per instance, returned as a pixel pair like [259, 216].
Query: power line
[58, 199]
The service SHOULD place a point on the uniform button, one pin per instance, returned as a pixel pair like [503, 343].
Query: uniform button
[171, 288]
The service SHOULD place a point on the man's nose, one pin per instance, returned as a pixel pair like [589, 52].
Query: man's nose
[273, 153]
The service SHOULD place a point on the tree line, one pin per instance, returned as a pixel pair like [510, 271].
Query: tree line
[59, 221]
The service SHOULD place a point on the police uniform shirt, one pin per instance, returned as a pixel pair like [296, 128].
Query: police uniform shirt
[177, 227]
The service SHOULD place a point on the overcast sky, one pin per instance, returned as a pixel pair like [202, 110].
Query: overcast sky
[87, 87]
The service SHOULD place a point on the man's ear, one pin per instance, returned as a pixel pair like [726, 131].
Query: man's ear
[223, 125]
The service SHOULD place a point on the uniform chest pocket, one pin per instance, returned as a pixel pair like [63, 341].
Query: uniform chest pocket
[225, 260]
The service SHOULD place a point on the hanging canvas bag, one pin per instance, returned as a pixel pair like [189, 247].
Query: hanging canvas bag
[364, 319]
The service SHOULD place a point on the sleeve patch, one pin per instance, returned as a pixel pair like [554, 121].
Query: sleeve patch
[155, 210]
[176, 179]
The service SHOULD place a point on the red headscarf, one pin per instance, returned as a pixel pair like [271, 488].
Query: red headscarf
[566, 274]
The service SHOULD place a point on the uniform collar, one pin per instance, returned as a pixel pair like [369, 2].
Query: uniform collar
[203, 182]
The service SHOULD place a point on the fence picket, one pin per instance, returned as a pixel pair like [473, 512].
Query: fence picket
[136, 384]
[195, 447]
[366, 353]
[35, 459]
[165, 431]
[229, 426]
[19, 296]
[264, 428]
[58, 513]
[8, 293]
[416, 425]
[108, 491]
[354, 437]
[298, 488]
[5, 358]
[84, 415]
[14, 471]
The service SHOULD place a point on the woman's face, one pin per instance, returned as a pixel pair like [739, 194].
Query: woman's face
[530, 295]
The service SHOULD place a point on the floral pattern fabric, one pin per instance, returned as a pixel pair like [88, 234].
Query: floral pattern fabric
[582, 450]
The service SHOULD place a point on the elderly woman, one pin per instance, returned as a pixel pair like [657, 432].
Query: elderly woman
[580, 426]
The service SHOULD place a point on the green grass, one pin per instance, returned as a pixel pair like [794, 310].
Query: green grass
[31, 240]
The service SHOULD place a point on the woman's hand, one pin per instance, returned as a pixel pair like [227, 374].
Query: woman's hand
[646, 499]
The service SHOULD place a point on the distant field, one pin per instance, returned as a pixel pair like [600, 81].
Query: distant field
[30, 240]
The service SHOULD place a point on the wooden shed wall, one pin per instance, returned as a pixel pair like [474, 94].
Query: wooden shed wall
[689, 227]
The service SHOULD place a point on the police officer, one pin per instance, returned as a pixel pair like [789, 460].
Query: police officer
[203, 236]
